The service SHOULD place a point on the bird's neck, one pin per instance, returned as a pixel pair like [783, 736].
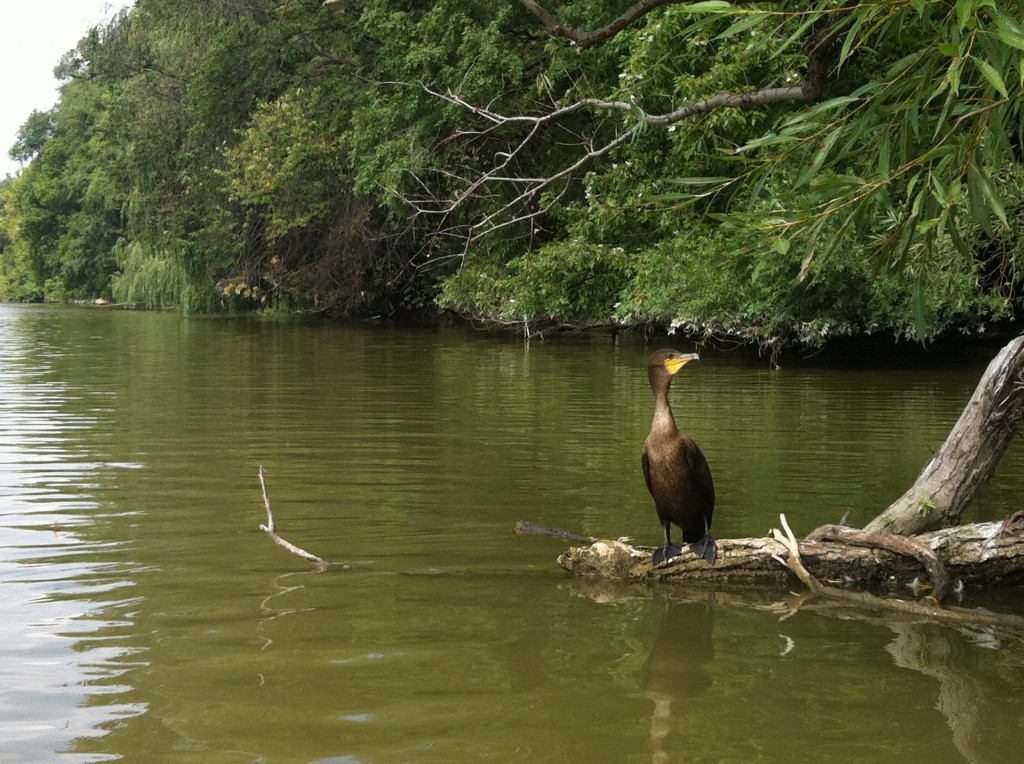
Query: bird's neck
[663, 422]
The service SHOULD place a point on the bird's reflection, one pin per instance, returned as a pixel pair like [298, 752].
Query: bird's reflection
[677, 667]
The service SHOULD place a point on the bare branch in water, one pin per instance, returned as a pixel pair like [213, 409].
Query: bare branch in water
[271, 530]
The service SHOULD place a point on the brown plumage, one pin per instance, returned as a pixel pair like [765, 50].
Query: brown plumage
[677, 474]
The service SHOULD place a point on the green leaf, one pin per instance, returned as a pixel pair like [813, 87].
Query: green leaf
[1007, 30]
[851, 38]
[711, 6]
[902, 65]
[976, 200]
[953, 74]
[835, 103]
[771, 139]
[958, 242]
[993, 77]
[964, 12]
[820, 155]
[744, 23]
[938, 152]
[883, 156]
[780, 245]
[755, 192]
[709, 181]
[994, 202]
[915, 118]
[919, 312]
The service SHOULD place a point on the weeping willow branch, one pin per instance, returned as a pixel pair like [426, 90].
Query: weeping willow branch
[583, 39]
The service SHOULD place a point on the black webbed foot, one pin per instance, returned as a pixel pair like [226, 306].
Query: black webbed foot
[705, 548]
[665, 553]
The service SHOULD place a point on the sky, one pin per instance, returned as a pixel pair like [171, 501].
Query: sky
[34, 34]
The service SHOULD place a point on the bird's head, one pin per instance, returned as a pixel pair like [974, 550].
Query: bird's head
[670, 360]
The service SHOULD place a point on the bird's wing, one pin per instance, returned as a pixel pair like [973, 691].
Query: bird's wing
[701, 472]
[645, 462]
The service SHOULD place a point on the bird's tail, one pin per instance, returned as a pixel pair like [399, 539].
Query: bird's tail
[706, 548]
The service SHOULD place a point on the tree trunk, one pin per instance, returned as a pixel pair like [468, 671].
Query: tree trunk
[968, 458]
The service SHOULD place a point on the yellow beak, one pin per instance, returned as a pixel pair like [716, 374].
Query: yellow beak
[675, 363]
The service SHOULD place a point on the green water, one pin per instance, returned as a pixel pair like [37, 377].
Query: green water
[144, 616]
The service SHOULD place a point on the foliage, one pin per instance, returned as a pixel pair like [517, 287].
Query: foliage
[254, 154]
[62, 213]
[917, 152]
[571, 282]
[887, 204]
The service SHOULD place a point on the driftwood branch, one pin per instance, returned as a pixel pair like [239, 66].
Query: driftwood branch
[970, 454]
[905, 545]
[271, 530]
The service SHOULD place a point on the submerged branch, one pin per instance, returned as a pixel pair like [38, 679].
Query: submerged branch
[928, 607]
[524, 528]
[906, 545]
[271, 530]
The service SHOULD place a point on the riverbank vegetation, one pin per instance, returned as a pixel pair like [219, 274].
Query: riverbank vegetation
[777, 171]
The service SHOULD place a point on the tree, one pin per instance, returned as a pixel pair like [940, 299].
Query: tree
[32, 135]
[686, 164]
[840, 140]
[63, 212]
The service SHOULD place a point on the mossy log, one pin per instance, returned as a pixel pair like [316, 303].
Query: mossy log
[975, 554]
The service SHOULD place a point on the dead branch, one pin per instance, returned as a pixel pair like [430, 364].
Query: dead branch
[907, 545]
[271, 530]
[970, 454]
[528, 202]
[522, 208]
[613, 559]
[929, 607]
[980, 553]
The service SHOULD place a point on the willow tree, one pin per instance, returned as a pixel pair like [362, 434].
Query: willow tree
[812, 146]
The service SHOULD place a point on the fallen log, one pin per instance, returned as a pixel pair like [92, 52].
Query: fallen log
[979, 553]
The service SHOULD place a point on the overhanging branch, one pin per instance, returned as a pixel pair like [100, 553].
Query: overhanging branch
[530, 198]
[583, 39]
[529, 189]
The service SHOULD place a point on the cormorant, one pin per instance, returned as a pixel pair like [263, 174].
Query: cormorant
[677, 474]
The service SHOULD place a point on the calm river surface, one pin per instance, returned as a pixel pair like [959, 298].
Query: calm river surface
[144, 616]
